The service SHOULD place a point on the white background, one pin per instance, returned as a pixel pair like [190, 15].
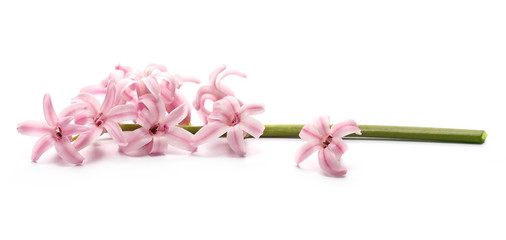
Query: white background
[417, 63]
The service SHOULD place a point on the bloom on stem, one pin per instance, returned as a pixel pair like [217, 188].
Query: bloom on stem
[103, 117]
[214, 91]
[328, 141]
[230, 117]
[55, 132]
[158, 130]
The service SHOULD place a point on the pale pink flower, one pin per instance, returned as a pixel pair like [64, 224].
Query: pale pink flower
[173, 98]
[158, 130]
[214, 91]
[103, 117]
[228, 116]
[328, 141]
[56, 131]
[113, 78]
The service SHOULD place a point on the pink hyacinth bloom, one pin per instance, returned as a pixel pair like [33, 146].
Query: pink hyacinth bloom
[103, 117]
[230, 117]
[173, 98]
[214, 91]
[56, 131]
[158, 129]
[328, 141]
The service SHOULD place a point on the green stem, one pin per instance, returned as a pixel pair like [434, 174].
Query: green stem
[375, 132]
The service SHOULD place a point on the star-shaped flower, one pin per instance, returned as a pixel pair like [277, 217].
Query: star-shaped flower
[328, 141]
[56, 131]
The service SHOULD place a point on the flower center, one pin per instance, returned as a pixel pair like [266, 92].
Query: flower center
[235, 120]
[327, 141]
[98, 120]
[59, 134]
[154, 129]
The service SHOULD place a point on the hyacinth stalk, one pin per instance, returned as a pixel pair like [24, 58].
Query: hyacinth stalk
[371, 132]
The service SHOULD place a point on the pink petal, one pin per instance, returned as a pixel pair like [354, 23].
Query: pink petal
[67, 152]
[94, 89]
[189, 79]
[137, 139]
[330, 163]
[73, 129]
[115, 132]
[214, 75]
[73, 110]
[337, 145]
[122, 87]
[109, 99]
[167, 90]
[181, 138]
[83, 118]
[305, 151]
[125, 69]
[160, 144]
[224, 89]
[87, 138]
[344, 128]
[152, 86]
[34, 128]
[233, 103]
[210, 131]
[122, 113]
[251, 109]
[251, 126]
[41, 146]
[235, 138]
[152, 67]
[64, 122]
[310, 134]
[322, 125]
[49, 112]
[176, 116]
[91, 101]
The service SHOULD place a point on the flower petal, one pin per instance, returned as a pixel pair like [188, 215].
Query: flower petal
[337, 145]
[160, 144]
[311, 134]
[73, 109]
[49, 112]
[235, 138]
[41, 146]
[87, 138]
[34, 128]
[94, 89]
[115, 132]
[252, 126]
[251, 109]
[110, 98]
[152, 86]
[210, 131]
[152, 67]
[305, 151]
[73, 129]
[137, 139]
[176, 116]
[330, 162]
[345, 128]
[322, 125]
[181, 138]
[214, 75]
[91, 101]
[122, 113]
[68, 152]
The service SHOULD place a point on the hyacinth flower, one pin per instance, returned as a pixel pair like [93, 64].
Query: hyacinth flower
[214, 91]
[328, 141]
[113, 78]
[173, 98]
[56, 131]
[103, 117]
[157, 129]
[228, 116]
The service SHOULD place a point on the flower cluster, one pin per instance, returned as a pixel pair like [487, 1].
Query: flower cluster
[150, 98]
[150, 104]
